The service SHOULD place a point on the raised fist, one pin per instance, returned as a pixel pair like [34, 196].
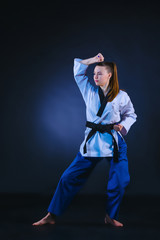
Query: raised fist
[99, 57]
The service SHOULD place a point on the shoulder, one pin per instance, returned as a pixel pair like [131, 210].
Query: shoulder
[122, 97]
[123, 94]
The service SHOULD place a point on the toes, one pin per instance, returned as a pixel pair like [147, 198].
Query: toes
[113, 222]
[42, 222]
[38, 223]
[117, 224]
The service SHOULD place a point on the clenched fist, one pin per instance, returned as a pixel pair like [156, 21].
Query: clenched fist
[99, 57]
[117, 127]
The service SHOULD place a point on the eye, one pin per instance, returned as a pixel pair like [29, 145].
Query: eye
[97, 73]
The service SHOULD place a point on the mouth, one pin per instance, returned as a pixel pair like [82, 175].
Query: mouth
[96, 80]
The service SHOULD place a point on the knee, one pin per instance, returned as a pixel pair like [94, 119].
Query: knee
[66, 178]
[122, 186]
[124, 183]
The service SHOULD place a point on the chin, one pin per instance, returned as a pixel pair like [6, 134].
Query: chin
[97, 83]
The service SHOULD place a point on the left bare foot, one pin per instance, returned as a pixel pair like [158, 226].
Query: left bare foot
[48, 219]
[111, 221]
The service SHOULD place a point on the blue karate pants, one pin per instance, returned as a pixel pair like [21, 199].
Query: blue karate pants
[74, 177]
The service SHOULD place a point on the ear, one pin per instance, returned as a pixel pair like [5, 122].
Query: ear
[110, 74]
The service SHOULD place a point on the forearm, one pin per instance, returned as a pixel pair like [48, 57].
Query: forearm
[98, 58]
[88, 61]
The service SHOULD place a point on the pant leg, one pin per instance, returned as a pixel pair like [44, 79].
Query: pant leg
[71, 182]
[119, 178]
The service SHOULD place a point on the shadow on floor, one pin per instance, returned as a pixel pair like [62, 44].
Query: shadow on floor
[84, 218]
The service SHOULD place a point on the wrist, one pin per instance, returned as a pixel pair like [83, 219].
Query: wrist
[91, 60]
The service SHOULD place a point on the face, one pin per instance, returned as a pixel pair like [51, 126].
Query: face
[102, 76]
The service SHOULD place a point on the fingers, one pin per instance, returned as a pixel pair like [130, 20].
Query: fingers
[117, 127]
[120, 126]
[99, 57]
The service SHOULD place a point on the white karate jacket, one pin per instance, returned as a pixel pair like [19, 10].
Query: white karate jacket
[120, 110]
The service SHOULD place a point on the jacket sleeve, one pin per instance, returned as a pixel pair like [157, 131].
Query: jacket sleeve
[128, 115]
[81, 79]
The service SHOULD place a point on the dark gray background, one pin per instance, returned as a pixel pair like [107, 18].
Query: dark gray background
[43, 111]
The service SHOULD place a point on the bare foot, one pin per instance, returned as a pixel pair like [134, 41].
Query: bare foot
[111, 221]
[49, 218]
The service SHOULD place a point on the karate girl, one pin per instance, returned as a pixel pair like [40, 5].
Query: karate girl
[110, 114]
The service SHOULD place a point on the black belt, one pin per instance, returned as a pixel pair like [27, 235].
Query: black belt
[102, 128]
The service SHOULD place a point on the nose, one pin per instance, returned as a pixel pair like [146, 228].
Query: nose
[95, 76]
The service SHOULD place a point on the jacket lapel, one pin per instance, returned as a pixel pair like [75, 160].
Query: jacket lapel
[103, 100]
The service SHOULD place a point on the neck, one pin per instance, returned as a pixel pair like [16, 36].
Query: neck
[105, 89]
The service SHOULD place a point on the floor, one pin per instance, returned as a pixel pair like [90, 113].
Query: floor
[84, 218]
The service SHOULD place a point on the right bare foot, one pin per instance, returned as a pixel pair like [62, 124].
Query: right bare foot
[47, 219]
[113, 222]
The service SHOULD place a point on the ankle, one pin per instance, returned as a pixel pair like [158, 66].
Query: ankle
[51, 214]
